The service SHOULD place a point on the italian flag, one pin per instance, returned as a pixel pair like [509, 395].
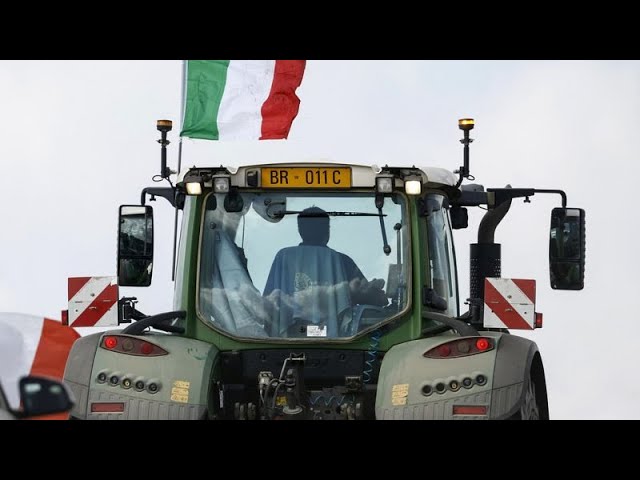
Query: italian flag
[241, 99]
[32, 345]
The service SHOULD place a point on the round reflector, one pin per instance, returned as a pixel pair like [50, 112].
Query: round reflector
[146, 348]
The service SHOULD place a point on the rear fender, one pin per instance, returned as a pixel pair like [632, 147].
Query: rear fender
[407, 382]
[516, 356]
[176, 385]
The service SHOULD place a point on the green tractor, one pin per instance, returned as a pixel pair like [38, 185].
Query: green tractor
[324, 291]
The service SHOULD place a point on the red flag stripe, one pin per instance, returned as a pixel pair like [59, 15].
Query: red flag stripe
[528, 287]
[100, 305]
[511, 319]
[281, 106]
[51, 354]
[75, 284]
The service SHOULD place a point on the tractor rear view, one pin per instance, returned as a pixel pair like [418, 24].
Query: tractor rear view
[325, 291]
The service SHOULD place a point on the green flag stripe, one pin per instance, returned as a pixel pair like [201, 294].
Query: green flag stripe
[205, 81]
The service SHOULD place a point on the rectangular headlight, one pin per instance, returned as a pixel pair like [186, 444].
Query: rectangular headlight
[384, 184]
[193, 188]
[221, 184]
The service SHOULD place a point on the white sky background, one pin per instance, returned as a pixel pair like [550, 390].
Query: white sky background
[78, 138]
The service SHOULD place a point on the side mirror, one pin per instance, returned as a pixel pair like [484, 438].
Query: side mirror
[459, 217]
[42, 396]
[135, 245]
[567, 248]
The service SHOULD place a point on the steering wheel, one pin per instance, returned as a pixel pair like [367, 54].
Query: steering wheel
[357, 312]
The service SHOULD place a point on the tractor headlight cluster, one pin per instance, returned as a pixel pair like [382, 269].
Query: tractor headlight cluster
[413, 185]
[384, 183]
[193, 188]
[221, 184]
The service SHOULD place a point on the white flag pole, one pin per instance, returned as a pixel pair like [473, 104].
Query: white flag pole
[175, 222]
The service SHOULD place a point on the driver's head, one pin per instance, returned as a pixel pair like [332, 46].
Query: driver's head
[313, 225]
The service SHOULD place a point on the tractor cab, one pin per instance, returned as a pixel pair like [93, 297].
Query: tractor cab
[309, 253]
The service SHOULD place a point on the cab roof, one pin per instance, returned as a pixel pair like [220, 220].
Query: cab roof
[363, 175]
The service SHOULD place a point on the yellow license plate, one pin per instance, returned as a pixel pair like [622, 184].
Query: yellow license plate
[306, 177]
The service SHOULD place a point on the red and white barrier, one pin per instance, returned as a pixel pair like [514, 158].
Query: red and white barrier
[93, 301]
[510, 303]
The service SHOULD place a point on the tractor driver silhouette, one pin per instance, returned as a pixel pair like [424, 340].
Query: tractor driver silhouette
[313, 286]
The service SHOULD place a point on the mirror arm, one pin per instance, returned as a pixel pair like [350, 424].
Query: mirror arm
[501, 195]
[165, 192]
[559, 192]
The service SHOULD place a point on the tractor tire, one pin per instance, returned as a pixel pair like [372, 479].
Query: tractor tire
[530, 408]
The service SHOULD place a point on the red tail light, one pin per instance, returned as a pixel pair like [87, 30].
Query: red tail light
[112, 407]
[538, 323]
[469, 409]
[132, 346]
[461, 347]
[444, 350]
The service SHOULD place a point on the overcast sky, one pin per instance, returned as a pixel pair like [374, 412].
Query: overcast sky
[78, 139]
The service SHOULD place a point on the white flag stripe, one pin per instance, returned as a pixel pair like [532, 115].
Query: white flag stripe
[82, 299]
[19, 338]
[247, 88]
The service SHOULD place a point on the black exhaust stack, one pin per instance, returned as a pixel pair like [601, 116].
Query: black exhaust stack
[485, 258]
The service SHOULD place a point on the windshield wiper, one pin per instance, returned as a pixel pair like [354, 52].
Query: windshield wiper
[379, 204]
[324, 214]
